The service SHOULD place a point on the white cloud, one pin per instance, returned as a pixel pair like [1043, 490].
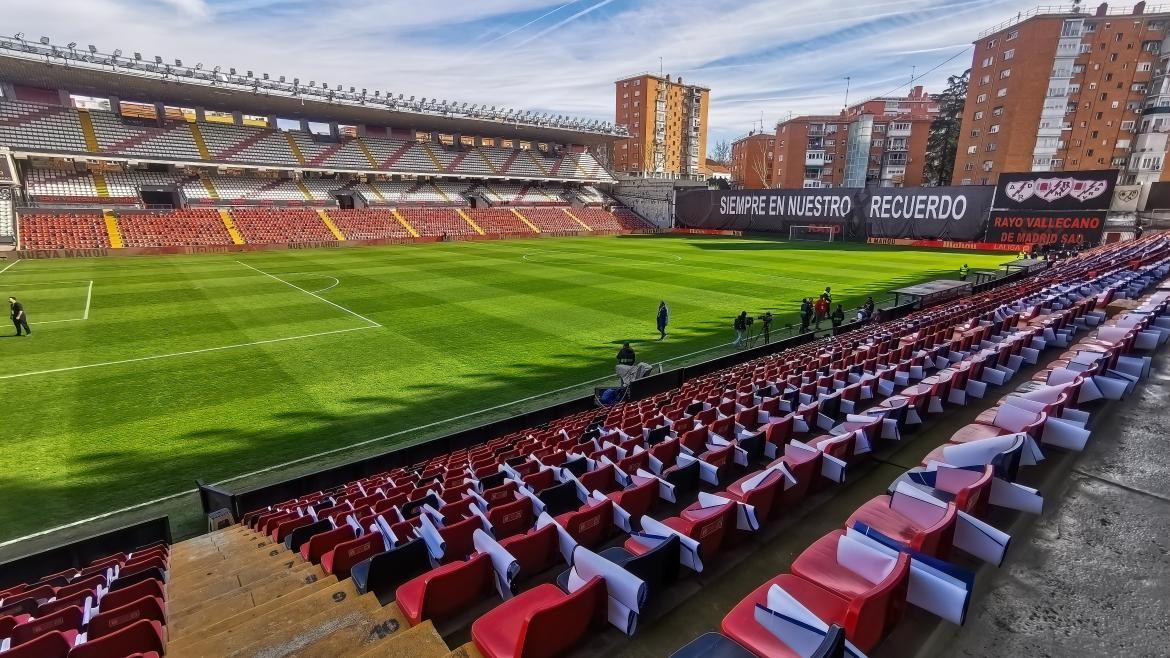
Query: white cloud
[551, 54]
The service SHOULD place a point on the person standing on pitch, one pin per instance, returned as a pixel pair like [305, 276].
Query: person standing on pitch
[663, 319]
[963, 272]
[19, 318]
[740, 326]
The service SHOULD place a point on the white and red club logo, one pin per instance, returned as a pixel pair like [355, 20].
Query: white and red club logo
[1052, 189]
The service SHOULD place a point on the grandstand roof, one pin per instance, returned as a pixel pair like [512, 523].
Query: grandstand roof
[131, 79]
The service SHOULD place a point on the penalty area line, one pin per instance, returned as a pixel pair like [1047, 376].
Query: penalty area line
[204, 350]
[10, 265]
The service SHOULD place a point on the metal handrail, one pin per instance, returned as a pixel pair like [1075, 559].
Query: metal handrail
[1067, 9]
[45, 51]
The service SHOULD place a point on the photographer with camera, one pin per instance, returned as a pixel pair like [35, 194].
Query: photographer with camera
[741, 328]
[766, 319]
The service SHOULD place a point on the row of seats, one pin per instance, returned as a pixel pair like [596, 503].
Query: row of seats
[111, 608]
[55, 129]
[259, 225]
[589, 474]
[858, 579]
[123, 188]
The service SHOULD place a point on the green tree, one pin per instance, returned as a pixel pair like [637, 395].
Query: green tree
[943, 141]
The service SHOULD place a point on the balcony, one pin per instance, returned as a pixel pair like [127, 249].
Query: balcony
[899, 130]
[896, 159]
[897, 145]
[814, 158]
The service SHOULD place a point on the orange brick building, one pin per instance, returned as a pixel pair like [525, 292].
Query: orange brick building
[751, 161]
[879, 142]
[1055, 90]
[667, 121]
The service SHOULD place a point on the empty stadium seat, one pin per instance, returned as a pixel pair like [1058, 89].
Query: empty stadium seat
[544, 621]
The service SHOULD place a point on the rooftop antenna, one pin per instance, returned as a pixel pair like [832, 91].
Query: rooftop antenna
[660, 67]
[846, 92]
[913, 73]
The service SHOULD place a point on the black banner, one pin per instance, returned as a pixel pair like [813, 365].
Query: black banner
[1055, 191]
[766, 210]
[928, 213]
[1062, 229]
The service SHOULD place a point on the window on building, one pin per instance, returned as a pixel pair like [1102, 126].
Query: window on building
[990, 147]
[970, 166]
[1009, 54]
[979, 115]
[1115, 104]
[988, 61]
[991, 43]
[1152, 46]
[1042, 161]
[988, 165]
[1112, 57]
[1138, 88]
[1006, 73]
[975, 132]
[1089, 152]
[1122, 144]
[1013, 35]
[1127, 126]
[994, 128]
[985, 79]
[971, 150]
[1001, 93]
[879, 143]
[1143, 66]
[1155, 25]
[1086, 48]
[1078, 68]
[879, 127]
[997, 112]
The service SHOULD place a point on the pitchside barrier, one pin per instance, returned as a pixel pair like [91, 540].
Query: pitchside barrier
[82, 552]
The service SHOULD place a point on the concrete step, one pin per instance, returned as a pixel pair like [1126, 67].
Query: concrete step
[421, 641]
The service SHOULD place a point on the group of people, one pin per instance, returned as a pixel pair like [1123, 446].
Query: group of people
[815, 312]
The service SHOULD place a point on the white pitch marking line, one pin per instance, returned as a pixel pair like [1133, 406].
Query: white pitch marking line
[46, 283]
[188, 352]
[10, 265]
[311, 294]
[56, 321]
[335, 283]
[88, 299]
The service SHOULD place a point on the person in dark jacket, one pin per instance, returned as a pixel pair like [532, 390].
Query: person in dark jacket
[766, 319]
[663, 319]
[19, 317]
[625, 356]
[838, 316]
[806, 312]
[740, 325]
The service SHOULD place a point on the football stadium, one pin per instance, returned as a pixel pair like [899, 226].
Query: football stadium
[319, 370]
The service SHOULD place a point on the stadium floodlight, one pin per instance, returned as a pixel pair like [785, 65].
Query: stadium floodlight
[72, 45]
[92, 49]
[198, 66]
[178, 62]
[44, 41]
[215, 70]
[311, 82]
[20, 36]
[250, 74]
[296, 81]
[117, 53]
[232, 71]
[157, 59]
[376, 93]
[138, 56]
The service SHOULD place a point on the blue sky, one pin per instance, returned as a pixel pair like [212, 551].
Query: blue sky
[764, 58]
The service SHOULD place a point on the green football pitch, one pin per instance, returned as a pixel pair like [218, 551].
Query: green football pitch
[143, 374]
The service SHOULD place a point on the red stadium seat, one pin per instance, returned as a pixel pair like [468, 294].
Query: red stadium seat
[447, 589]
[590, 525]
[142, 636]
[512, 518]
[322, 543]
[535, 551]
[111, 620]
[339, 560]
[541, 622]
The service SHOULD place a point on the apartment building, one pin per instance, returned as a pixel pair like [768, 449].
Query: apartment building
[1059, 88]
[667, 121]
[878, 142]
[751, 161]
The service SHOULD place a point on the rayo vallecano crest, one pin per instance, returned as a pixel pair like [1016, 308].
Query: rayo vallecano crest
[1051, 189]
